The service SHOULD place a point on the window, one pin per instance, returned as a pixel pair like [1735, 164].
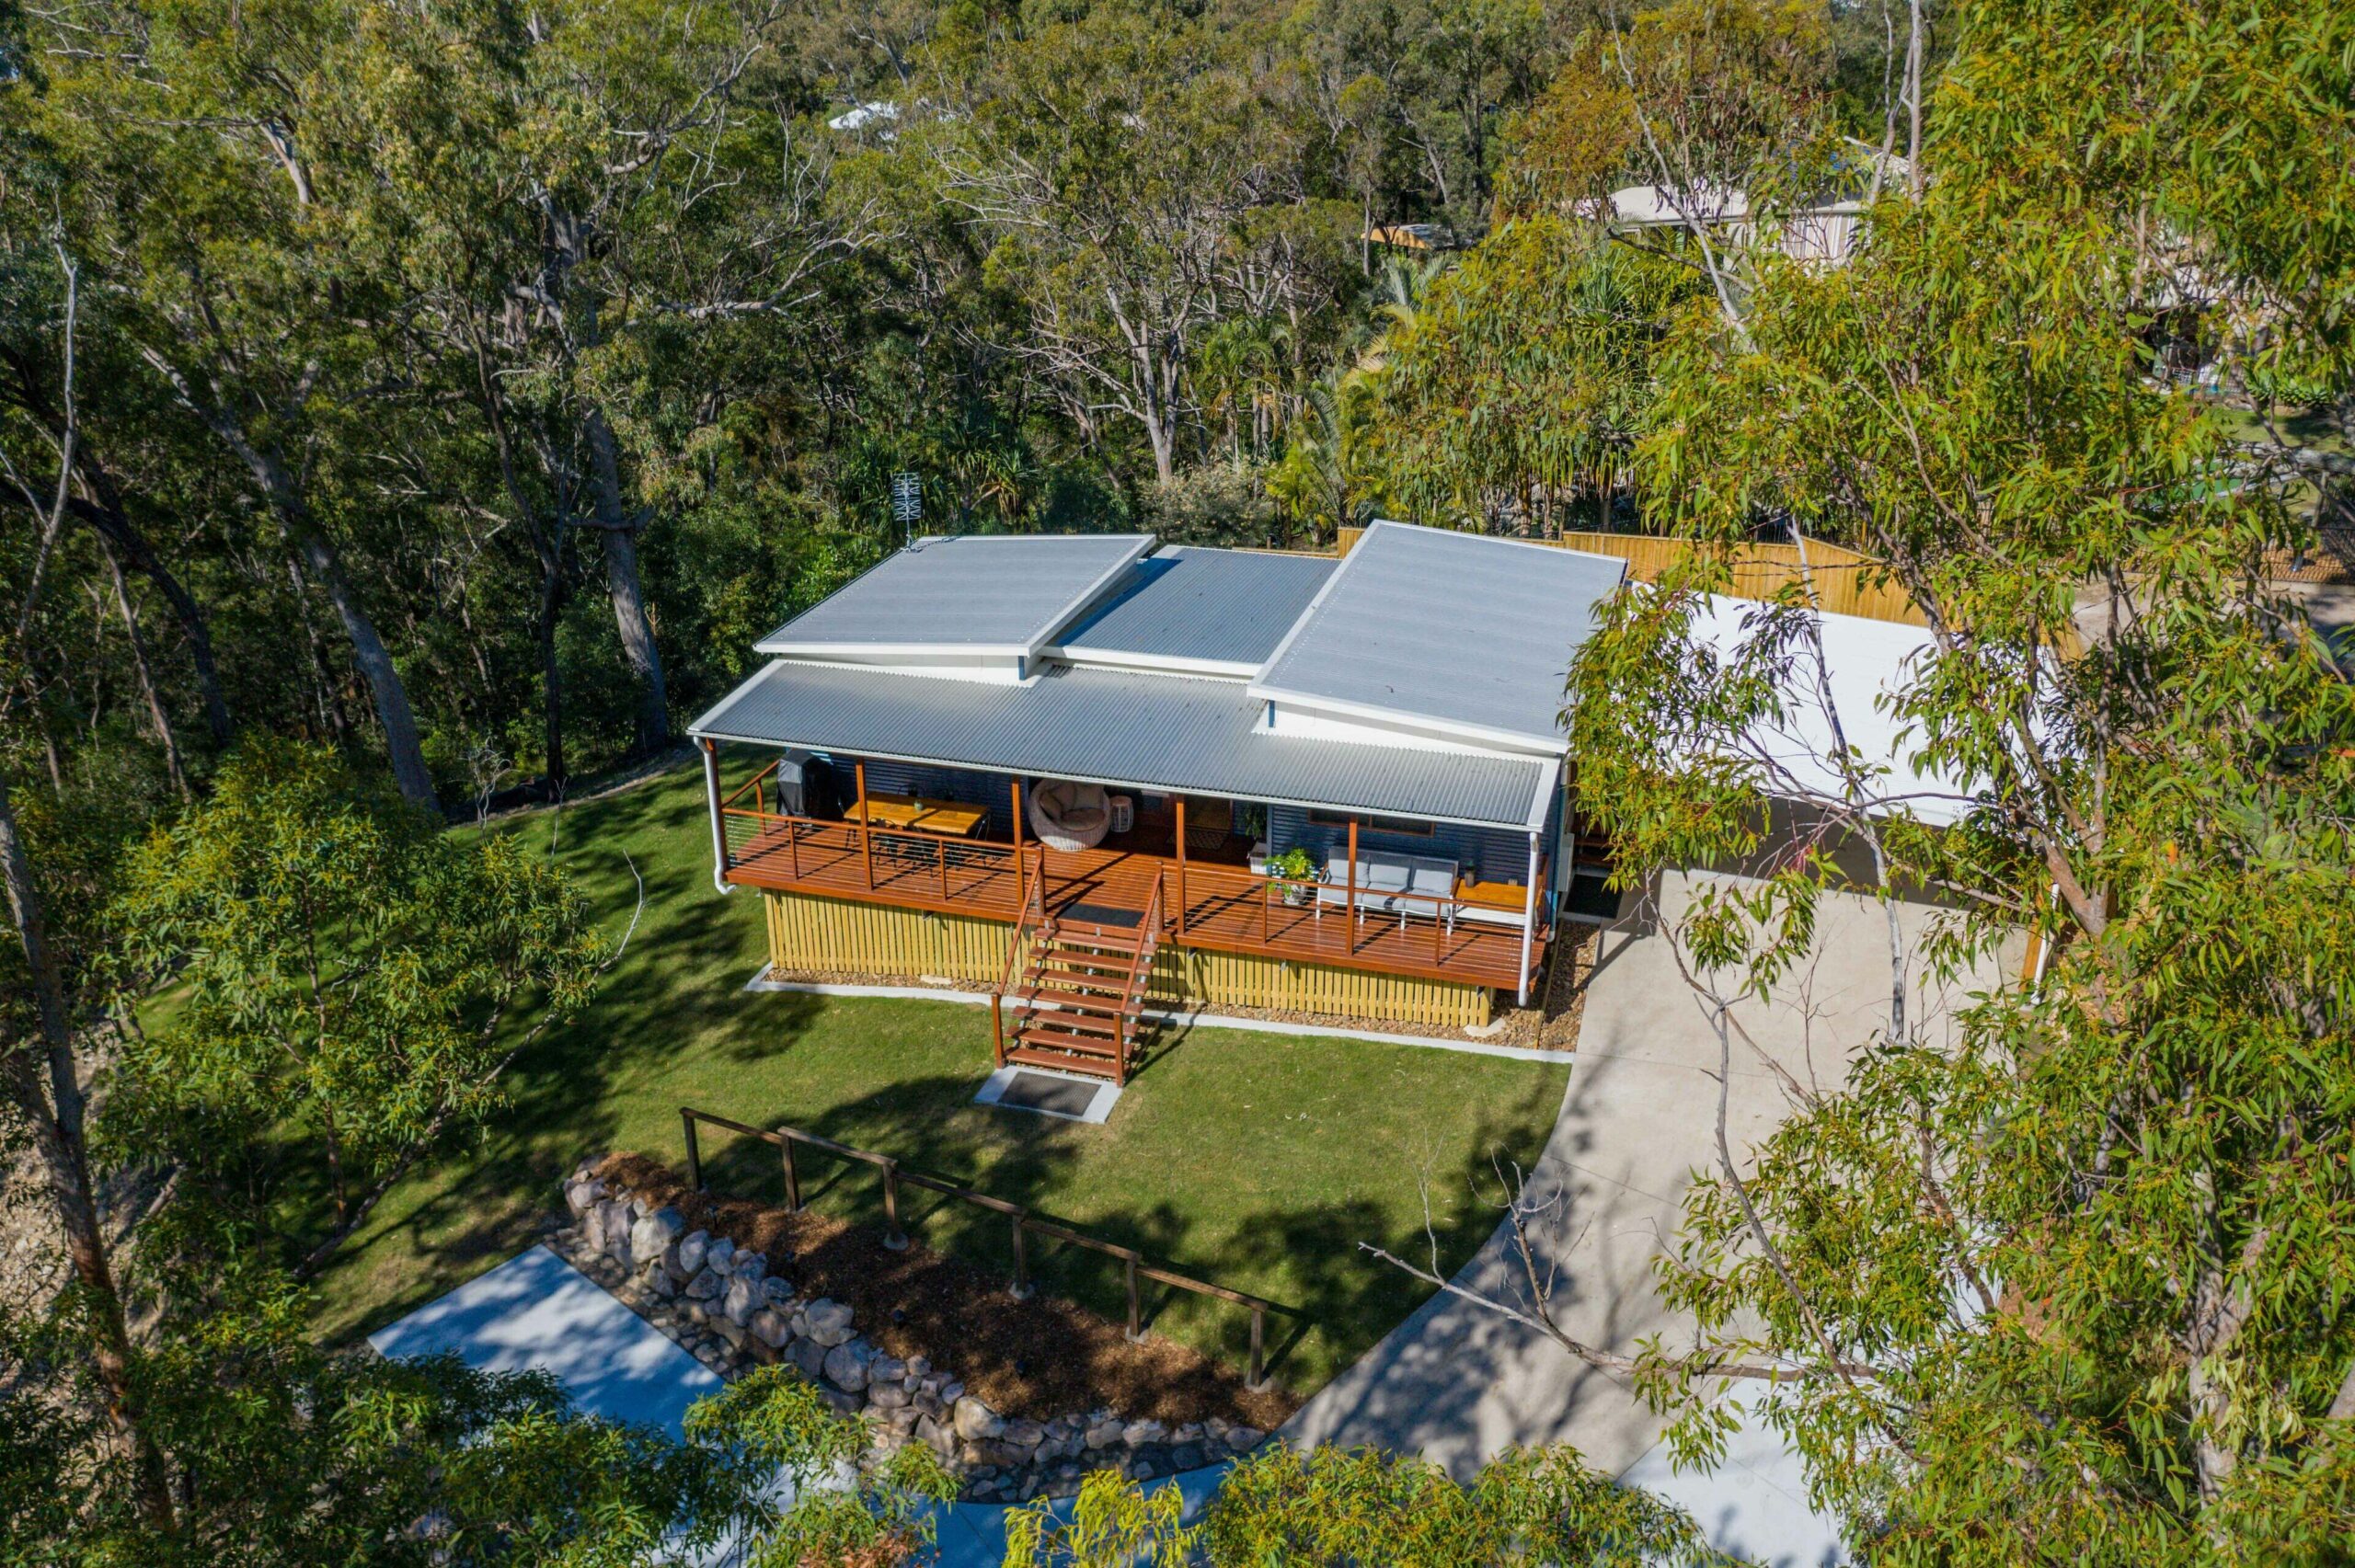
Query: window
[1396, 825]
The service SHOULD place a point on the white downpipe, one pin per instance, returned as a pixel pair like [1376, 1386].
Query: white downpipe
[718, 829]
[1528, 921]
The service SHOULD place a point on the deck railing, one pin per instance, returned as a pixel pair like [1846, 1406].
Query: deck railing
[1030, 923]
[976, 871]
[1262, 900]
[1133, 1266]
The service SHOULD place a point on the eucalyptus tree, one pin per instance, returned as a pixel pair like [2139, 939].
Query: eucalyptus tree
[2070, 1285]
[1128, 181]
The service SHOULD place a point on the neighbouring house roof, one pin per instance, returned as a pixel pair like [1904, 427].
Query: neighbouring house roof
[1468, 634]
[985, 594]
[1215, 612]
[1121, 727]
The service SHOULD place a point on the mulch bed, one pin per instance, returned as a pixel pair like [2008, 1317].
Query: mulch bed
[1039, 1358]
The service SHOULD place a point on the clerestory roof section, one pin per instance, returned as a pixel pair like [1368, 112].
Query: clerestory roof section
[1122, 729]
[970, 594]
[1466, 634]
[1200, 611]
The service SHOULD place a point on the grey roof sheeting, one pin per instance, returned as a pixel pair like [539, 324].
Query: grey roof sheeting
[1227, 608]
[1471, 633]
[1000, 593]
[1121, 727]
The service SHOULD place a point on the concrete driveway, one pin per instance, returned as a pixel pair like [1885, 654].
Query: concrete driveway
[1458, 1384]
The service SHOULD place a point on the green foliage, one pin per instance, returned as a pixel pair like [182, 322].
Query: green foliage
[286, 1456]
[1329, 1508]
[348, 972]
[2068, 1284]
[774, 1424]
[1522, 379]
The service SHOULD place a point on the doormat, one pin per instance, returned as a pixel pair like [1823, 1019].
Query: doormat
[1065, 1097]
[1101, 914]
[1037, 1092]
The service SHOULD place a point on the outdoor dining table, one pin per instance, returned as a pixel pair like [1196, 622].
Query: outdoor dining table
[915, 812]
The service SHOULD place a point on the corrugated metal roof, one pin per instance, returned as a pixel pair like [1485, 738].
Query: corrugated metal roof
[1467, 631]
[1221, 607]
[1121, 727]
[970, 594]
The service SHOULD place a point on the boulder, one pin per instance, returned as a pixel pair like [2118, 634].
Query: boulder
[1104, 1435]
[1189, 1433]
[1024, 1435]
[918, 1366]
[640, 1207]
[846, 1365]
[720, 1254]
[734, 1332]
[828, 1321]
[692, 1247]
[842, 1403]
[652, 1234]
[1242, 1438]
[740, 1301]
[752, 1265]
[705, 1286]
[581, 1195]
[609, 1227]
[938, 1435]
[887, 1396]
[811, 1357]
[769, 1327]
[887, 1370]
[951, 1390]
[659, 1284]
[1185, 1457]
[1137, 1434]
[976, 1421]
[778, 1291]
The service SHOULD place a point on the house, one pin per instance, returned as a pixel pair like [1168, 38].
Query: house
[1077, 768]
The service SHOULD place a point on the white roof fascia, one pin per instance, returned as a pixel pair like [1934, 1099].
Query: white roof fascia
[877, 652]
[1502, 739]
[1151, 664]
[1541, 804]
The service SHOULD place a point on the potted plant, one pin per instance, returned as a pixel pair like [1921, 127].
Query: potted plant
[1294, 867]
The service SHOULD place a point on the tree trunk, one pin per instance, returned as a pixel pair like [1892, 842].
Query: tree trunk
[155, 712]
[57, 1116]
[620, 529]
[551, 676]
[368, 650]
[106, 514]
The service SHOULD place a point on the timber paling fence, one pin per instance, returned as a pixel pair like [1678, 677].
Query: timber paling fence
[1023, 1224]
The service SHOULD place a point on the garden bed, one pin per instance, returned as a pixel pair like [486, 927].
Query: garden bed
[1039, 1358]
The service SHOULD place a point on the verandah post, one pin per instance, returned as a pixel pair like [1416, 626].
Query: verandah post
[866, 826]
[1179, 801]
[1351, 925]
[1021, 877]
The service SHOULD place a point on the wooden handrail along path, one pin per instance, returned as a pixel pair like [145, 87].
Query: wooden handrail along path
[1134, 1265]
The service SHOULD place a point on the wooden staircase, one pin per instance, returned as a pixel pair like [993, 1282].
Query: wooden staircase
[1080, 1000]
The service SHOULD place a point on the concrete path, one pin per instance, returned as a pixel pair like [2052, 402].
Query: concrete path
[1458, 1383]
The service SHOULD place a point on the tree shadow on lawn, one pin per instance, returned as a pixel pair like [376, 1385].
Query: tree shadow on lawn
[1308, 1257]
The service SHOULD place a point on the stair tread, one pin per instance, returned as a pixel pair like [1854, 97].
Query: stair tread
[1076, 1005]
[1077, 1023]
[1065, 940]
[1118, 982]
[1060, 1040]
[1021, 1057]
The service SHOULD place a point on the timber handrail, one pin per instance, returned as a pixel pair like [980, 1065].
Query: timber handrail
[1140, 962]
[1030, 915]
[1134, 1265]
[752, 784]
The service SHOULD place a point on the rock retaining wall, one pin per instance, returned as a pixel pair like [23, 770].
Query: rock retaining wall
[726, 1309]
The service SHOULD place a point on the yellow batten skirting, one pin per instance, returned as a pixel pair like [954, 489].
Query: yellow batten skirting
[837, 937]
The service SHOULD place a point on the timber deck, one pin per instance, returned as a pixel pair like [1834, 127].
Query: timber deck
[1222, 906]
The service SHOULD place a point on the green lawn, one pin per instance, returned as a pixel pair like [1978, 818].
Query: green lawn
[1256, 1161]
